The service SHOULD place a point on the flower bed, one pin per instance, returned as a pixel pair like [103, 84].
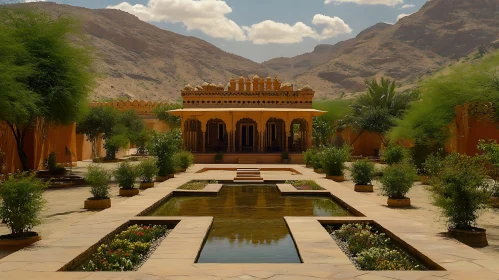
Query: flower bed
[196, 185]
[304, 185]
[370, 250]
[128, 250]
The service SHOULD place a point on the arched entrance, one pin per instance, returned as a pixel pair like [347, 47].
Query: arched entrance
[216, 136]
[193, 138]
[298, 139]
[246, 136]
[275, 135]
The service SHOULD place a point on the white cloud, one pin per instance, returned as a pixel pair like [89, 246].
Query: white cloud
[208, 16]
[269, 31]
[367, 2]
[402, 16]
[408, 6]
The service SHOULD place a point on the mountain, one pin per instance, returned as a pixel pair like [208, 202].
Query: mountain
[442, 32]
[138, 60]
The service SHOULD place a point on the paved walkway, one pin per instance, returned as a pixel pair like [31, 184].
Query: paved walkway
[175, 257]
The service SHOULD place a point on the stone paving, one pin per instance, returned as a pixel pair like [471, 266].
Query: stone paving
[175, 257]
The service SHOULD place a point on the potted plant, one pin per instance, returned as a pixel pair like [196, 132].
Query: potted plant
[431, 166]
[22, 202]
[148, 169]
[164, 147]
[317, 162]
[113, 144]
[363, 174]
[98, 178]
[125, 175]
[461, 189]
[219, 157]
[52, 168]
[308, 156]
[183, 160]
[396, 182]
[333, 162]
[394, 154]
[285, 157]
[491, 153]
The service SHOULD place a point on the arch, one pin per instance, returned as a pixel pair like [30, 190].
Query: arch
[246, 136]
[216, 138]
[298, 139]
[275, 135]
[193, 135]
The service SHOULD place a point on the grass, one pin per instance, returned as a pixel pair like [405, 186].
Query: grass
[305, 185]
[196, 185]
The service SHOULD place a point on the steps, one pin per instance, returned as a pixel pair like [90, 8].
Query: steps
[248, 175]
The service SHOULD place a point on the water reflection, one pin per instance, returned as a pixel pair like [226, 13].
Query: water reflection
[248, 224]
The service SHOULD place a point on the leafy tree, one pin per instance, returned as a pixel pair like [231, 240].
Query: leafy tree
[325, 125]
[44, 77]
[164, 147]
[99, 120]
[134, 125]
[163, 115]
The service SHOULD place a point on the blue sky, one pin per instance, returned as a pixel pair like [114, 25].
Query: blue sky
[263, 29]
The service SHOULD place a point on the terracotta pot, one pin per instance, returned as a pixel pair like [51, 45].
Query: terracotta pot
[17, 243]
[145, 186]
[308, 166]
[364, 188]
[494, 202]
[399, 203]
[336, 178]
[129, 192]
[161, 178]
[320, 171]
[170, 176]
[182, 170]
[475, 237]
[97, 204]
[425, 180]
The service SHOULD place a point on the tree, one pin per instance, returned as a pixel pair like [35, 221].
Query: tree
[44, 77]
[163, 115]
[134, 125]
[98, 120]
[378, 109]
[165, 146]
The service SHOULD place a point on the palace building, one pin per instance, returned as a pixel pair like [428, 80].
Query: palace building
[248, 120]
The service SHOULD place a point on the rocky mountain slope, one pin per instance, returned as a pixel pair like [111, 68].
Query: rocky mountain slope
[140, 61]
[439, 34]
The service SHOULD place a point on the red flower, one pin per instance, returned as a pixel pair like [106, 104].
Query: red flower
[140, 233]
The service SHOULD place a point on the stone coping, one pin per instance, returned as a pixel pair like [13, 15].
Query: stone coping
[321, 256]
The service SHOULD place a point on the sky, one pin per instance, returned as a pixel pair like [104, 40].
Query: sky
[263, 29]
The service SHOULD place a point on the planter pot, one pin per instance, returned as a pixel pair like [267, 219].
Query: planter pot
[145, 186]
[399, 202]
[170, 176]
[336, 178]
[97, 204]
[425, 180]
[129, 192]
[320, 171]
[219, 160]
[286, 161]
[308, 166]
[182, 170]
[364, 188]
[161, 178]
[475, 237]
[494, 202]
[9, 242]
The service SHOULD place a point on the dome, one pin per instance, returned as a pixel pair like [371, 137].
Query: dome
[256, 77]
[198, 87]
[212, 85]
[306, 88]
[205, 84]
[188, 87]
[286, 85]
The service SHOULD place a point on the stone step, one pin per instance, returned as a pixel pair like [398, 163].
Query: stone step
[239, 174]
[247, 169]
[248, 178]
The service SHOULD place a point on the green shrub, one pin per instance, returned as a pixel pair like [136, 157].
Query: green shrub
[348, 230]
[394, 154]
[316, 160]
[376, 258]
[98, 178]
[164, 147]
[398, 179]
[364, 240]
[362, 172]
[333, 160]
[308, 156]
[52, 162]
[219, 156]
[432, 165]
[114, 144]
[184, 159]
[125, 175]
[461, 189]
[22, 202]
[305, 184]
[285, 156]
[148, 169]
[196, 185]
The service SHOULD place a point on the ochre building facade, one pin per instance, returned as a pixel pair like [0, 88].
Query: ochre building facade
[250, 119]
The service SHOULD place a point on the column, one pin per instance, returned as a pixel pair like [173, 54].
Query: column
[204, 142]
[309, 135]
[286, 135]
[229, 139]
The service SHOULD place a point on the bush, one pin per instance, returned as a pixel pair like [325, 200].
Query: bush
[398, 179]
[364, 240]
[219, 156]
[22, 202]
[184, 159]
[363, 172]
[52, 162]
[285, 156]
[316, 160]
[376, 258]
[125, 175]
[114, 144]
[433, 165]
[164, 147]
[305, 185]
[98, 178]
[394, 154]
[308, 156]
[333, 160]
[461, 189]
[148, 169]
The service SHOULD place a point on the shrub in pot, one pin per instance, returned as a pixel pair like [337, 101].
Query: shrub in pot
[432, 165]
[396, 182]
[394, 154]
[363, 174]
[164, 147]
[317, 162]
[98, 178]
[461, 190]
[22, 202]
[285, 157]
[113, 144]
[308, 157]
[219, 157]
[126, 174]
[148, 169]
[184, 160]
[333, 162]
